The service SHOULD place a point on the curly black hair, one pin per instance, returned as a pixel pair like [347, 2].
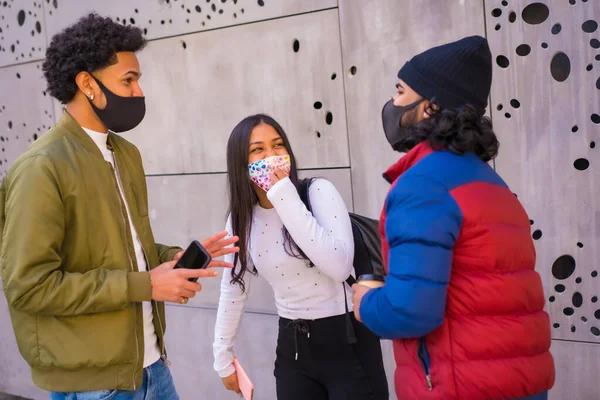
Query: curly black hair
[460, 130]
[88, 45]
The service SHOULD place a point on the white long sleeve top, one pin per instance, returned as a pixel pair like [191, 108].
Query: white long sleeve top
[301, 292]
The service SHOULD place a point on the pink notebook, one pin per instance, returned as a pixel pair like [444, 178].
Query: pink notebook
[246, 385]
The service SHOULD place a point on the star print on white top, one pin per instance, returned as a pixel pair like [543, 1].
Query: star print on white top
[325, 236]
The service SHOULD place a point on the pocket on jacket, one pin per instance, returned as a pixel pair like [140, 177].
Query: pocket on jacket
[88, 341]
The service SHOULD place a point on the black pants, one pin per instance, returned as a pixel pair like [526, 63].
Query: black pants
[327, 367]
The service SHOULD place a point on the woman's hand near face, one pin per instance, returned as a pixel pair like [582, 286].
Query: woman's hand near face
[277, 176]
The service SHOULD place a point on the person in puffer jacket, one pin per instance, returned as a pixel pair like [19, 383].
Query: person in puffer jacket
[462, 300]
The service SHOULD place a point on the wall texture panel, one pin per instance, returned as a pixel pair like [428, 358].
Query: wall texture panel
[545, 93]
[576, 370]
[25, 110]
[22, 31]
[198, 91]
[161, 18]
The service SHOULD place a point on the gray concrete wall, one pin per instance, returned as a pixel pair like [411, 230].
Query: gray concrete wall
[202, 75]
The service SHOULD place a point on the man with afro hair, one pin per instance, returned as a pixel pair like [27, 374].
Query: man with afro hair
[84, 279]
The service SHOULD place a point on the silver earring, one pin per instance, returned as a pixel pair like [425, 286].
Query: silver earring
[91, 96]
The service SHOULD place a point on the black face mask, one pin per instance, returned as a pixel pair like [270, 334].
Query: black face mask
[391, 116]
[121, 113]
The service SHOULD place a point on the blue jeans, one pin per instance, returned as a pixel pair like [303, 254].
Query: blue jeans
[157, 384]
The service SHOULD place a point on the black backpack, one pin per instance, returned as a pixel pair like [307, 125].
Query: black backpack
[367, 248]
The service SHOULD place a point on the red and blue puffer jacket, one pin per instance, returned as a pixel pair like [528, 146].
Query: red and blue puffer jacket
[462, 300]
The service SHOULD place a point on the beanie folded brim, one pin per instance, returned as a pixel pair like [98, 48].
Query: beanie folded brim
[429, 90]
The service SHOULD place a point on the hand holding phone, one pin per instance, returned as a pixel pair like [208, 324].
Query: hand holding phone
[194, 257]
[181, 284]
[176, 285]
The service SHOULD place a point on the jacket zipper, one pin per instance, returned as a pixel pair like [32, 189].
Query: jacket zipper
[163, 355]
[424, 359]
[121, 201]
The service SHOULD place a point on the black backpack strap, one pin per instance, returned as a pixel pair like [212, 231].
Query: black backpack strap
[350, 334]
[360, 256]
[362, 260]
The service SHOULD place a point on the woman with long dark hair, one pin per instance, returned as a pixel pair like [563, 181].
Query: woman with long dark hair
[306, 257]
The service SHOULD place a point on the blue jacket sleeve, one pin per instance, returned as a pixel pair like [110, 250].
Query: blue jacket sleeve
[423, 222]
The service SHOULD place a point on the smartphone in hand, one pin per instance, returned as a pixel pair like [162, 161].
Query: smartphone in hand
[194, 257]
[244, 382]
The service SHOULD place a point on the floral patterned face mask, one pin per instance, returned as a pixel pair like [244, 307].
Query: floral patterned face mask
[261, 170]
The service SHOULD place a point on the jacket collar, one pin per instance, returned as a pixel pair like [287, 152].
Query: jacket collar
[71, 126]
[408, 160]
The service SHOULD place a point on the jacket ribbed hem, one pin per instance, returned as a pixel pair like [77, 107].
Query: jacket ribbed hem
[114, 377]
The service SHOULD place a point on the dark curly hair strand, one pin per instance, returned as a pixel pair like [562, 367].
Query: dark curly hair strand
[461, 130]
[88, 45]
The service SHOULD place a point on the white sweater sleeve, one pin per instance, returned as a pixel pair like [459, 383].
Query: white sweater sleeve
[325, 236]
[232, 302]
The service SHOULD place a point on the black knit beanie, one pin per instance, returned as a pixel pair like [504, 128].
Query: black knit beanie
[453, 74]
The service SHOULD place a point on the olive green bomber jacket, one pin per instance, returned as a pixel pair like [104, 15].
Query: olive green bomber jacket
[68, 264]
